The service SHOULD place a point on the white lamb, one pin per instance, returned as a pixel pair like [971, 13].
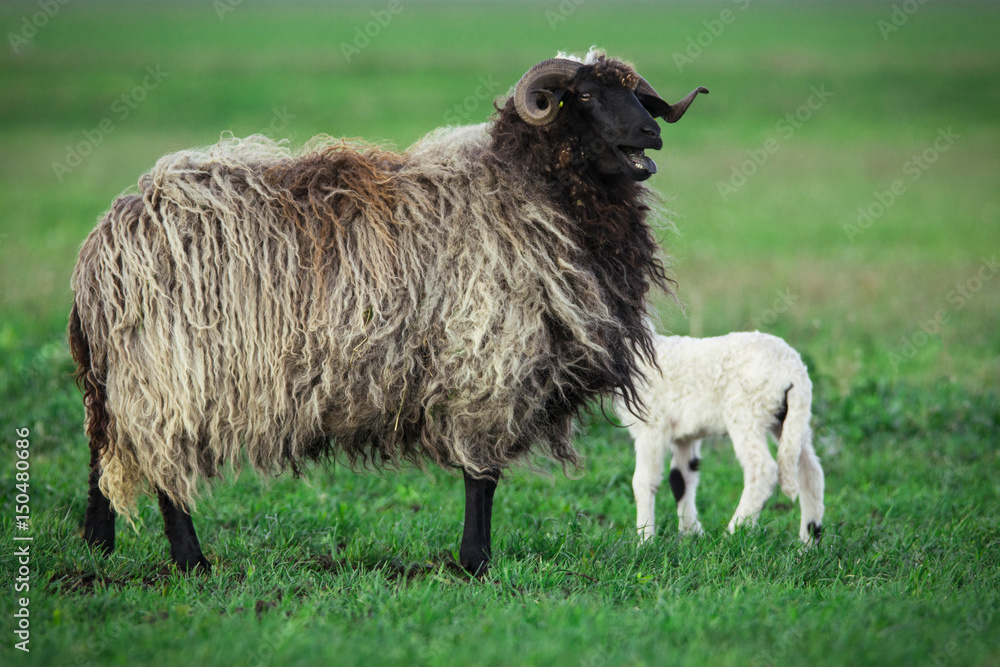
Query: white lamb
[744, 384]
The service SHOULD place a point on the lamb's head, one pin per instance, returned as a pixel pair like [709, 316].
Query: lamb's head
[605, 104]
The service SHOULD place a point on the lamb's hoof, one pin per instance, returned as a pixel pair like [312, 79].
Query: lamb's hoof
[694, 530]
[746, 523]
[811, 534]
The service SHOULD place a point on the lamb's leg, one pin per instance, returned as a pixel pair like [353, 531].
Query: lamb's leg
[184, 547]
[99, 521]
[760, 474]
[474, 553]
[684, 484]
[811, 484]
[650, 453]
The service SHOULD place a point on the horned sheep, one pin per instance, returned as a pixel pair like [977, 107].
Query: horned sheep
[458, 301]
[745, 384]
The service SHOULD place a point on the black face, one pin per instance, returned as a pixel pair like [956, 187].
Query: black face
[620, 129]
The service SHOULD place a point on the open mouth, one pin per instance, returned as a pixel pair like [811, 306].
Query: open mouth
[637, 158]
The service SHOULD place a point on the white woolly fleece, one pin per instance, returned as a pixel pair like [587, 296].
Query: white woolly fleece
[738, 384]
[588, 59]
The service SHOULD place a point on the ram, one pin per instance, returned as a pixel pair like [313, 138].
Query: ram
[458, 301]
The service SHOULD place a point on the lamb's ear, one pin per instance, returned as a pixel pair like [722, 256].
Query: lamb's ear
[658, 107]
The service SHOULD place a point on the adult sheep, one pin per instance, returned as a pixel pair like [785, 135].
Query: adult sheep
[461, 300]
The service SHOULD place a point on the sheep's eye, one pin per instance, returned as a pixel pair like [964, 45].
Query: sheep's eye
[584, 97]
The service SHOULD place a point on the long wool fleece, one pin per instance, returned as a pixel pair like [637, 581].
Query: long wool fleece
[253, 301]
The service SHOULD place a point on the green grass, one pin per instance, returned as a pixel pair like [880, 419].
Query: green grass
[350, 568]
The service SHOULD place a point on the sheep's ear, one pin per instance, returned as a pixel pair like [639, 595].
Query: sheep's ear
[540, 90]
[658, 107]
[558, 94]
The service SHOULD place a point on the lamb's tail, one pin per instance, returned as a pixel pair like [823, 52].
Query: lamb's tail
[795, 431]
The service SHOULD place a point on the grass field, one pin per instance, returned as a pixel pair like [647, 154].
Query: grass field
[840, 187]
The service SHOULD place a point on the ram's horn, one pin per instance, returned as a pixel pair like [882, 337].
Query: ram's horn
[657, 107]
[537, 85]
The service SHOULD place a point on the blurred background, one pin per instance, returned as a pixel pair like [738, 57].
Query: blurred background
[838, 187]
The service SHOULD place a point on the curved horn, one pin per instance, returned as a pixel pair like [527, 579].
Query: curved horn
[658, 107]
[538, 81]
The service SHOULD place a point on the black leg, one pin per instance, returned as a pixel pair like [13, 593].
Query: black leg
[99, 521]
[184, 546]
[474, 554]
[488, 504]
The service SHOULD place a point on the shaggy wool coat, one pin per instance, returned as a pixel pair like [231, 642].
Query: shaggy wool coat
[253, 304]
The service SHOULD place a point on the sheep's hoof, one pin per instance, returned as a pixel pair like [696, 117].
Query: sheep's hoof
[99, 531]
[105, 544]
[193, 563]
[475, 564]
[477, 570]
